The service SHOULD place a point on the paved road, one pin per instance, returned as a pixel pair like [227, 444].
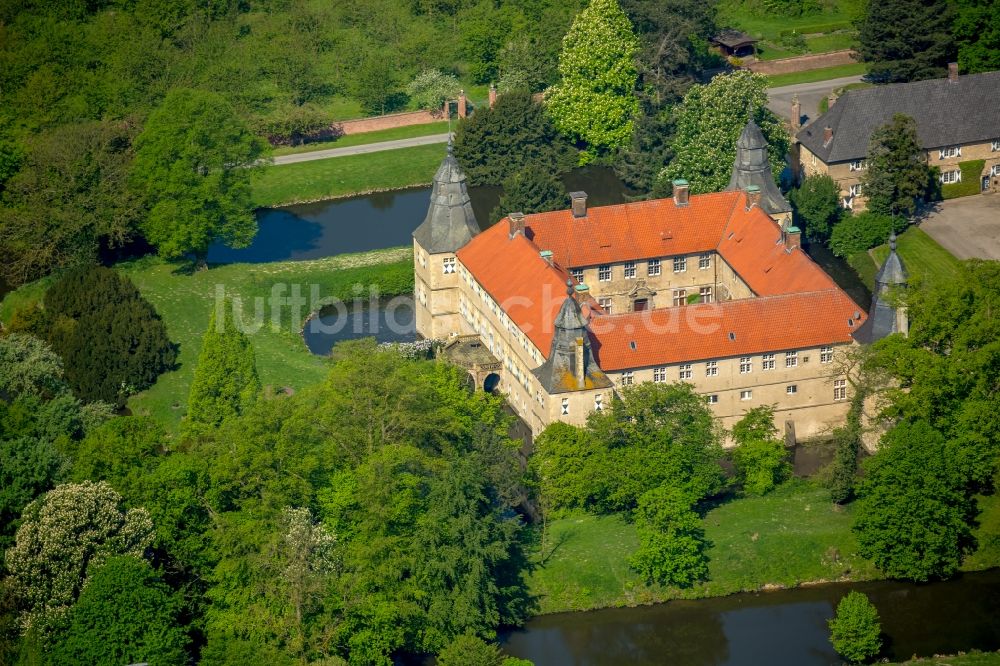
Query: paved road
[780, 99]
[358, 150]
[969, 227]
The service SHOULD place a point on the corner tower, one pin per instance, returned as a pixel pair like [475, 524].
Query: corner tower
[886, 315]
[449, 225]
[752, 168]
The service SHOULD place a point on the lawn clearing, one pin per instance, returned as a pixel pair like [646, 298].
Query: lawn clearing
[814, 75]
[745, 15]
[921, 254]
[408, 132]
[344, 176]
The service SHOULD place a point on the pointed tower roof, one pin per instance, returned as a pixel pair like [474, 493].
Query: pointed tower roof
[450, 222]
[559, 373]
[752, 168]
[883, 318]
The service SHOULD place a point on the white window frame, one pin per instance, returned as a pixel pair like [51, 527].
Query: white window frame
[767, 362]
[705, 262]
[839, 389]
[565, 406]
[791, 359]
[712, 398]
[680, 297]
[604, 273]
[995, 145]
[629, 270]
[448, 265]
[791, 389]
[680, 264]
[605, 303]
[746, 365]
[995, 170]
[825, 354]
[746, 394]
[949, 152]
[577, 274]
[705, 293]
[659, 375]
[653, 267]
[627, 378]
[684, 371]
[951, 177]
[598, 403]
[857, 165]
[711, 368]
[854, 190]
[847, 203]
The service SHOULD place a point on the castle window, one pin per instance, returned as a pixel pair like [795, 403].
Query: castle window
[706, 294]
[767, 362]
[449, 265]
[565, 406]
[791, 359]
[950, 151]
[577, 274]
[856, 165]
[659, 375]
[995, 170]
[704, 262]
[605, 304]
[995, 145]
[840, 389]
[746, 395]
[855, 190]
[629, 270]
[847, 203]
[712, 399]
[711, 368]
[604, 273]
[685, 371]
[680, 297]
[627, 378]
[598, 403]
[950, 177]
[792, 389]
[653, 267]
[825, 354]
[746, 365]
[680, 264]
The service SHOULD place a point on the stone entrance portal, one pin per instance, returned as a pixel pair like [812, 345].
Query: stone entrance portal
[469, 352]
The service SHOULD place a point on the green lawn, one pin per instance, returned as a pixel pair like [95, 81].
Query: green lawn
[813, 75]
[921, 254]
[742, 14]
[835, 41]
[408, 132]
[790, 536]
[344, 176]
[186, 301]
[974, 658]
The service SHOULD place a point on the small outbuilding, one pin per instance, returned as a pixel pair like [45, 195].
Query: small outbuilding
[735, 43]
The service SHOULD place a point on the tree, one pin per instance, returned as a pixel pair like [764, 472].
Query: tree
[760, 456]
[125, 615]
[709, 122]
[495, 143]
[817, 205]
[522, 66]
[977, 33]
[906, 40]
[377, 86]
[225, 380]
[65, 535]
[672, 541]
[897, 174]
[594, 101]
[855, 631]
[913, 512]
[857, 233]
[28, 366]
[432, 87]
[470, 650]
[531, 190]
[194, 161]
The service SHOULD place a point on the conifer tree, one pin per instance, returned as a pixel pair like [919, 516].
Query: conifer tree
[225, 381]
[897, 173]
[906, 40]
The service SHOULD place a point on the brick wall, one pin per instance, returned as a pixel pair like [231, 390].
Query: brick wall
[362, 125]
[803, 63]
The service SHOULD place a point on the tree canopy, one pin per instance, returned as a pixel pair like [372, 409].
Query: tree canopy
[817, 205]
[897, 174]
[906, 40]
[855, 631]
[532, 190]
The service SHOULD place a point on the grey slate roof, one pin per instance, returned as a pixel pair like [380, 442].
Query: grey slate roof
[558, 373]
[752, 168]
[450, 222]
[882, 319]
[947, 113]
[734, 39]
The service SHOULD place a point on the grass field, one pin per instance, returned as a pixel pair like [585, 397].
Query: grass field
[742, 14]
[813, 75]
[971, 659]
[835, 41]
[921, 254]
[185, 301]
[344, 176]
[790, 536]
[368, 137]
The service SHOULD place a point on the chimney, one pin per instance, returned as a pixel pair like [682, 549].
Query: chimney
[493, 95]
[461, 103]
[580, 370]
[953, 71]
[516, 222]
[793, 237]
[578, 203]
[581, 293]
[827, 135]
[796, 115]
[547, 256]
[831, 99]
[753, 196]
[681, 197]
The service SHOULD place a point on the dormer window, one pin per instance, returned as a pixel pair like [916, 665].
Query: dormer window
[857, 165]
[949, 152]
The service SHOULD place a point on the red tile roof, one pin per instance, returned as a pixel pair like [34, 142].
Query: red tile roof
[798, 304]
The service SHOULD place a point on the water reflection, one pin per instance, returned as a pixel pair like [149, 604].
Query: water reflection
[389, 321]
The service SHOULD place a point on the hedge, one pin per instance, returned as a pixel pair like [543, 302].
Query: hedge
[972, 171]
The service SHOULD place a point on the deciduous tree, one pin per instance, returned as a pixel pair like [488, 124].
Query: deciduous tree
[977, 32]
[817, 204]
[897, 174]
[760, 456]
[855, 631]
[432, 87]
[28, 366]
[534, 189]
[672, 541]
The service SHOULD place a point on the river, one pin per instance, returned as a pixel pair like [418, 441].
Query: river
[785, 627]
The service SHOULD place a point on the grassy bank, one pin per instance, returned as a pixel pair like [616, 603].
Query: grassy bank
[813, 75]
[746, 16]
[791, 536]
[349, 140]
[971, 659]
[344, 176]
[186, 301]
[922, 255]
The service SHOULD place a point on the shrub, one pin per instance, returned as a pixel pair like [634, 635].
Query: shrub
[857, 233]
[672, 541]
[817, 205]
[971, 173]
[855, 630]
[759, 456]
[469, 650]
[431, 88]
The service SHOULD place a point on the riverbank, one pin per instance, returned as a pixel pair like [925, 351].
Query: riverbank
[974, 658]
[351, 175]
[793, 536]
[185, 301]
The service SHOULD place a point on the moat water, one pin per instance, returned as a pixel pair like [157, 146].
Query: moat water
[785, 627]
